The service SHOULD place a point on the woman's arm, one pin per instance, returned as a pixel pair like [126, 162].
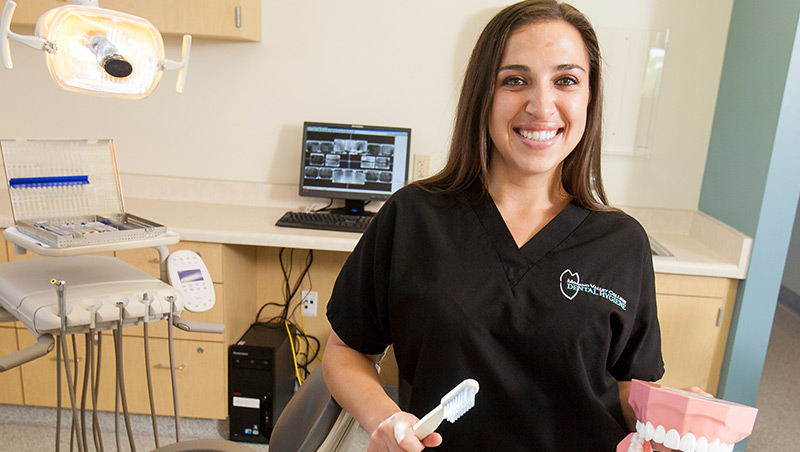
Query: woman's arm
[353, 380]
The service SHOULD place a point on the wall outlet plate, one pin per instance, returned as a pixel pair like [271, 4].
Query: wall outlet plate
[422, 166]
[309, 298]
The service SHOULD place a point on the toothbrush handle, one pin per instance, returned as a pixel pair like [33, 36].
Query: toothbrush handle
[429, 423]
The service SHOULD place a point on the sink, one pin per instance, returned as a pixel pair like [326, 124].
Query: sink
[658, 249]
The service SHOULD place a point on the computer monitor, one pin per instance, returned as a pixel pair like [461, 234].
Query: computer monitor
[356, 163]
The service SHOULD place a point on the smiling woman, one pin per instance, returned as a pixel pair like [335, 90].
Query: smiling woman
[508, 266]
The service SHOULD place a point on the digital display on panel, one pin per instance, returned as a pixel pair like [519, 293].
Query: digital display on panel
[192, 275]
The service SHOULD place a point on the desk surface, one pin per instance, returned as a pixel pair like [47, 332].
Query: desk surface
[700, 245]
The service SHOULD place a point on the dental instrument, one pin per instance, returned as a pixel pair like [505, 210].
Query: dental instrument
[452, 406]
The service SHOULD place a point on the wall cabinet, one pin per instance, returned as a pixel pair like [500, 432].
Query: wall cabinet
[695, 315]
[220, 19]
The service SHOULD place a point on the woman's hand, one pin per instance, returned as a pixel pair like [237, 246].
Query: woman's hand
[396, 434]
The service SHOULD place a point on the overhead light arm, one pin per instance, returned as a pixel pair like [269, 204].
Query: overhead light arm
[34, 42]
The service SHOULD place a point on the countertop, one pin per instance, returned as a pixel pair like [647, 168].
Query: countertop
[203, 211]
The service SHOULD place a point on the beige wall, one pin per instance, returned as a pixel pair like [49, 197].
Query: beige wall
[362, 61]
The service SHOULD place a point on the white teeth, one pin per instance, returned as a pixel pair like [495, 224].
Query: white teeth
[660, 434]
[672, 439]
[688, 443]
[649, 431]
[543, 135]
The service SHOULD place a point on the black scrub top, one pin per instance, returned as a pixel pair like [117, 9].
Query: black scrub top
[546, 329]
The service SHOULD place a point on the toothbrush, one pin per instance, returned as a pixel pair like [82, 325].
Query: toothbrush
[455, 403]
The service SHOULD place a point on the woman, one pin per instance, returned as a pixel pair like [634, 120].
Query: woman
[508, 266]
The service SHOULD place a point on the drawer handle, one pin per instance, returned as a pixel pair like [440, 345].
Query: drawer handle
[161, 366]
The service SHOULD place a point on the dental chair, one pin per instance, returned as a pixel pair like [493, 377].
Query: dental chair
[313, 422]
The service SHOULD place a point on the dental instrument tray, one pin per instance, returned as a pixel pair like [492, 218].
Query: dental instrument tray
[67, 193]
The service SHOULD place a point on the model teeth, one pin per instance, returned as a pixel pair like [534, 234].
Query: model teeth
[672, 439]
[544, 135]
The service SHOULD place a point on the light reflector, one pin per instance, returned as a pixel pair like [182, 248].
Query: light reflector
[97, 51]
[93, 45]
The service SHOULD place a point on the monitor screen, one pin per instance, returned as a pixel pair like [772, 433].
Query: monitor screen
[353, 162]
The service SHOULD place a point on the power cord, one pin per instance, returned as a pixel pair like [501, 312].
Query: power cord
[284, 320]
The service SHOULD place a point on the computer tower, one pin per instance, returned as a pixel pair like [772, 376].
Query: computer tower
[260, 382]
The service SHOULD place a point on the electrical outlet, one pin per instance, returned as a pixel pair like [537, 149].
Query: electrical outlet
[309, 303]
[422, 164]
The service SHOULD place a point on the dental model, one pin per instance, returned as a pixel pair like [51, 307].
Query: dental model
[685, 421]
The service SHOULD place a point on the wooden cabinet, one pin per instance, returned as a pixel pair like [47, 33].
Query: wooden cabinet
[695, 315]
[221, 19]
[10, 380]
[3, 252]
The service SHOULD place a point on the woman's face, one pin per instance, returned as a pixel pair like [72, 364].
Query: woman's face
[538, 112]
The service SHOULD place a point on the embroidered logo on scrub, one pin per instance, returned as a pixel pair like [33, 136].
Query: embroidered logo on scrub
[571, 284]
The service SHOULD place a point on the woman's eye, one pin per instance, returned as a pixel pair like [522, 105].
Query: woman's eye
[567, 81]
[513, 81]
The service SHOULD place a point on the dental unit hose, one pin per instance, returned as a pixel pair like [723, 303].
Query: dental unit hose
[98, 437]
[121, 396]
[60, 293]
[170, 343]
[88, 376]
[147, 301]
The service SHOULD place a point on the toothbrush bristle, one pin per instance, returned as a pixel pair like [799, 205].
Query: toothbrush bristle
[459, 404]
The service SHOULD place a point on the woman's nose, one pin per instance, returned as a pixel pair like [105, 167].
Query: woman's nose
[540, 102]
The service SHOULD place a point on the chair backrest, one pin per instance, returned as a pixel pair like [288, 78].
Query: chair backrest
[312, 421]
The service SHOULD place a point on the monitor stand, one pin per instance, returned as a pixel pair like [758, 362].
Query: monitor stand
[352, 207]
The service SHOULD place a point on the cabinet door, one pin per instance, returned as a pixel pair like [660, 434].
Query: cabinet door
[214, 19]
[4, 251]
[201, 376]
[200, 372]
[695, 315]
[10, 380]
[690, 340]
[39, 376]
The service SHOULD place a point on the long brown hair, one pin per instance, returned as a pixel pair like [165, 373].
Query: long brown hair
[470, 148]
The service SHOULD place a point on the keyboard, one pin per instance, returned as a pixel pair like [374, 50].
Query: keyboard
[325, 221]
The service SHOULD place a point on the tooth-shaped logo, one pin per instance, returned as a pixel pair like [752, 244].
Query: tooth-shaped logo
[569, 283]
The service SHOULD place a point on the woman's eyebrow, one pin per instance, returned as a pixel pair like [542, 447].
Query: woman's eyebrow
[524, 68]
[569, 67]
[514, 67]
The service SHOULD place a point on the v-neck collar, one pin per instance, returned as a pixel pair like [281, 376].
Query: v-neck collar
[517, 261]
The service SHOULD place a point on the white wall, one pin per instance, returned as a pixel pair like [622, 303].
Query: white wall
[363, 61]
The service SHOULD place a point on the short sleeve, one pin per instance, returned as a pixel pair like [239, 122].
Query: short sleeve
[641, 353]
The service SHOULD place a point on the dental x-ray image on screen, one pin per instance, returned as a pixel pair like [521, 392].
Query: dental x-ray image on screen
[353, 162]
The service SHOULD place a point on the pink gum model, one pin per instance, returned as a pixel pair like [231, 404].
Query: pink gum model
[685, 421]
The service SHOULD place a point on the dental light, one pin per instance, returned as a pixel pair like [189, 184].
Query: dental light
[97, 51]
